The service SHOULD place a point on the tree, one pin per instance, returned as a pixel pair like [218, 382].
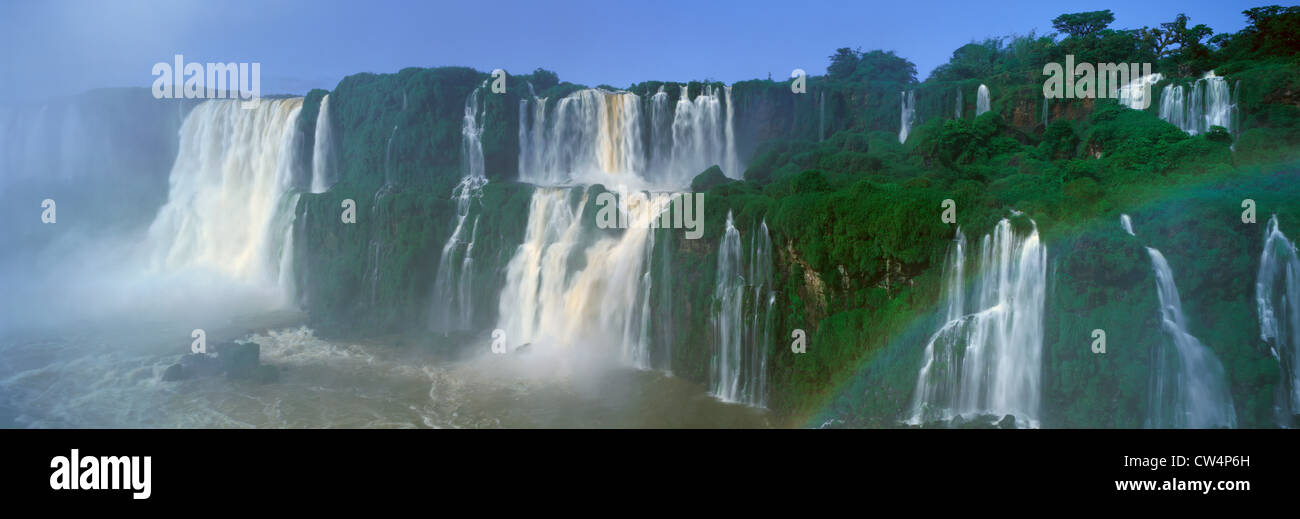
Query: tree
[1159, 42]
[1079, 25]
[843, 63]
[544, 79]
[879, 65]
[1273, 30]
[1186, 38]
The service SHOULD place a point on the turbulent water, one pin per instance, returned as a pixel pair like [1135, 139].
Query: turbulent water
[986, 357]
[1207, 103]
[907, 111]
[981, 100]
[1189, 388]
[1277, 295]
[99, 378]
[230, 208]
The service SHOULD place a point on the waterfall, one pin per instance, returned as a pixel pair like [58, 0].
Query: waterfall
[591, 136]
[1135, 94]
[571, 286]
[742, 317]
[981, 100]
[700, 138]
[1172, 106]
[230, 208]
[957, 113]
[988, 361]
[322, 150]
[1208, 103]
[1277, 289]
[1188, 386]
[730, 158]
[907, 101]
[453, 301]
[546, 301]
[661, 131]
[595, 136]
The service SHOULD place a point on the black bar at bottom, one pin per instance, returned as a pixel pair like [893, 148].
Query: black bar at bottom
[320, 468]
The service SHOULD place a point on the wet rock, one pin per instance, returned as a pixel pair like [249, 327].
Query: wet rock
[239, 360]
[200, 365]
[1008, 422]
[173, 373]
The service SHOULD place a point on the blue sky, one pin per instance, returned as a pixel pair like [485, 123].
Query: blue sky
[60, 47]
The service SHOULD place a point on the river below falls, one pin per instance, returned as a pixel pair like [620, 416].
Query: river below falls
[110, 377]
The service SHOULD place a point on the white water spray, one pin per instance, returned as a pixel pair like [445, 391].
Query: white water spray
[989, 361]
[322, 150]
[981, 100]
[742, 321]
[453, 295]
[1188, 386]
[1277, 296]
[231, 208]
[1208, 103]
[907, 109]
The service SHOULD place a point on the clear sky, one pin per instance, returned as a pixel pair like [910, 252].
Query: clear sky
[59, 47]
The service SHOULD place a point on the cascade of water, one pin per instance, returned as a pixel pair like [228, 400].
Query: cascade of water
[1209, 103]
[907, 110]
[1172, 106]
[981, 100]
[593, 137]
[596, 136]
[230, 208]
[661, 131]
[988, 362]
[1135, 94]
[1188, 386]
[957, 113]
[697, 141]
[741, 322]
[1277, 289]
[322, 150]
[730, 159]
[453, 304]
[544, 301]
[570, 285]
